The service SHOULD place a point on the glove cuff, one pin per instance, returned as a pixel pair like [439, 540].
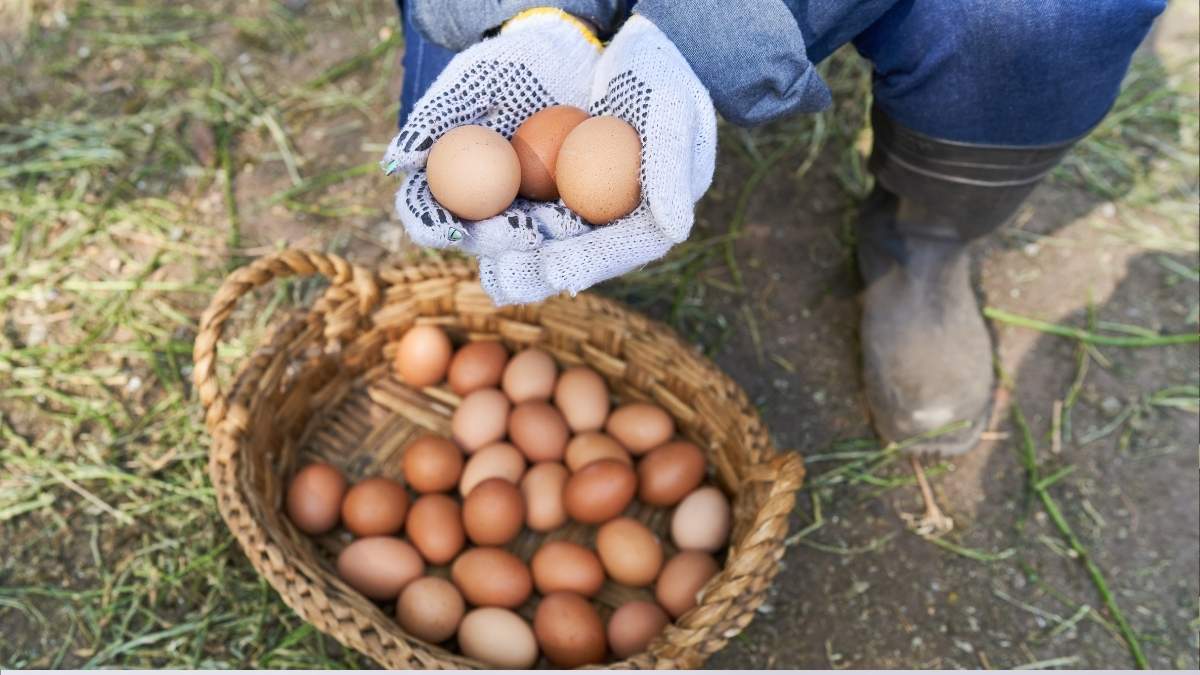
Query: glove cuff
[460, 24]
[551, 15]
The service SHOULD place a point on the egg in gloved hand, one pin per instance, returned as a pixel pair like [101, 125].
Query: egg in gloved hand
[598, 169]
[537, 141]
[473, 172]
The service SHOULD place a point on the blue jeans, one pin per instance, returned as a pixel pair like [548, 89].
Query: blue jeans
[423, 62]
[997, 72]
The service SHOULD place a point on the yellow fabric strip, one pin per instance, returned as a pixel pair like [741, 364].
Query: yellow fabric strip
[582, 27]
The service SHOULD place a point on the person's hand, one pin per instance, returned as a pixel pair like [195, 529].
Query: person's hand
[643, 79]
[541, 57]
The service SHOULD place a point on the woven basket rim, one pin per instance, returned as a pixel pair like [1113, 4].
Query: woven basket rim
[353, 293]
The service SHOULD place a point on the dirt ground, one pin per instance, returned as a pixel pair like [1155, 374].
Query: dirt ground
[890, 599]
[906, 603]
[130, 557]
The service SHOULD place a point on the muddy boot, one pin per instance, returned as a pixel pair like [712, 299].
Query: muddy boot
[927, 353]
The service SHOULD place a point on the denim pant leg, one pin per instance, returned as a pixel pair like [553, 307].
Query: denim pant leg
[423, 62]
[1003, 72]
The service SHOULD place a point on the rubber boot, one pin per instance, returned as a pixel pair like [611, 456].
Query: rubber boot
[927, 353]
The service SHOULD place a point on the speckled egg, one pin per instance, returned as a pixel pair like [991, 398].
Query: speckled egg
[598, 167]
[473, 172]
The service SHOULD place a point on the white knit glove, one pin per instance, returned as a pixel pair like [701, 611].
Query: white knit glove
[542, 57]
[643, 79]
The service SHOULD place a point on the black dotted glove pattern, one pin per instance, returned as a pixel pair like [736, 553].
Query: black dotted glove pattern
[419, 200]
[517, 230]
[474, 100]
[628, 98]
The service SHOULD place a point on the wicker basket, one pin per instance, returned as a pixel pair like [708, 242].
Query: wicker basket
[321, 386]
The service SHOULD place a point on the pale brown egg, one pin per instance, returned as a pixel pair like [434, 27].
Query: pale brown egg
[476, 365]
[564, 566]
[498, 638]
[598, 169]
[542, 487]
[314, 498]
[434, 526]
[432, 464]
[630, 552]
[640, 427]
[375, 506]
[481, 419]
[591, 446]
[492, 577]
[569, 630]
[599, 491]
[493, 512]
[702, 520]
[529, 376]
[473, 172]
[430, 608]
[423, 356]
[582, 396]
[669, 472]
[379, 567]
[538, 430]
[536, 142]
[634, 626]
[498, 460]
[681, 579]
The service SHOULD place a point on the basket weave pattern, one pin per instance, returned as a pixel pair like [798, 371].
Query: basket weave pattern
[321, 387]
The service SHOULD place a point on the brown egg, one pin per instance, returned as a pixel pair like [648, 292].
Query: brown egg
[497, 637]
[634, 626]
[476, 365]
[542, 488]
[375, 506]
[481, 419]
[498, 460]
[599, 491]
[564, 566]
[430, 608]
[569, 630]
[582, 396]
[379, 567]
[493, 512]
[314, 498]
[681, 579]
[669, 472]
[473, 172]
[538, 430]
[434, 526]
[640, 427]
[492, 577]
[701, 521]
[591, 446]
[631, 554]
[422, 356]
[537, 141]
[529, 376]
[598, 167]
[432, 464]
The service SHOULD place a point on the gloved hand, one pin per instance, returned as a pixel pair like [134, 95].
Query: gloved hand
[643, 79]
[541, 57]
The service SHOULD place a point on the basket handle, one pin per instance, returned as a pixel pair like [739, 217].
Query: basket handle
[785, 472]
[278, 265]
